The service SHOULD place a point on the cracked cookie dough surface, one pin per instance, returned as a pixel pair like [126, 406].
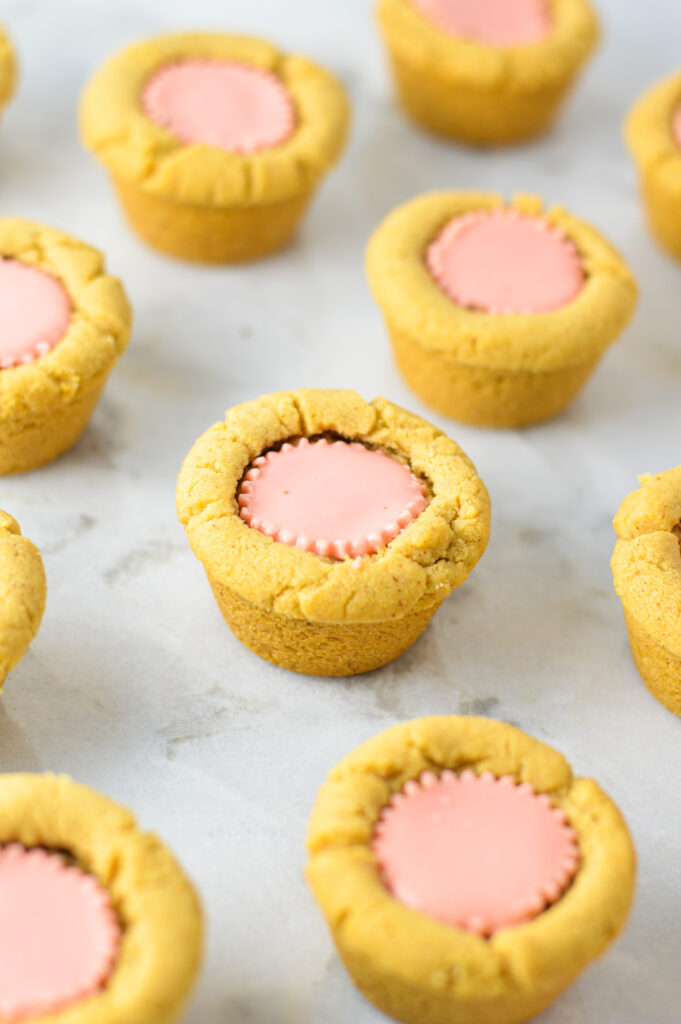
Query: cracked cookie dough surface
[202, 202]
[412, 966]
[23, 592]
[46, 404]
[646, 567]
[394, 591]
[497, 370]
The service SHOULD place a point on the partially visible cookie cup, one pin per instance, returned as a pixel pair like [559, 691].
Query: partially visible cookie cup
[199, 202]
[412, 966]
[46, 404]
[481, 94]
[657, 154]
[646, 566]
[23, 592]
[486, 369]
[8, 69]
[315, 614]
[156, 904]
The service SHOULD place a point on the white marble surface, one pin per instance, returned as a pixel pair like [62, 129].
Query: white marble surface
[136, 686]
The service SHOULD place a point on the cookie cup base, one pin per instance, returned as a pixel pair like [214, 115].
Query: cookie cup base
[658, 667]
[45, 438]
[204, 234]
[411, 1004]
[316, 648]
[482, 396]
[473, 115]
[663, 216]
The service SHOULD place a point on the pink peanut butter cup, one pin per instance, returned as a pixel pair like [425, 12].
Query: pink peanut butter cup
[499, 23]
[337, 499]
[474, 851]
[222, 103]
[502, 261]
[59, 935]
[35, 313]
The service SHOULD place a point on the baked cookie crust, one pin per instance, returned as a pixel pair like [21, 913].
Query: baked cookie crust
[315, 614]
[657, 156]
[8, 69]
[23, 595]
[417, 969]
[646, 567]
[46, 405]
[482, 94]
[484, 369]
[157, 905]
[196, 201]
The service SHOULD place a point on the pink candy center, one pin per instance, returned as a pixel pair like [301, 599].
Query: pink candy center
[59, 936]
[475, 852]
[501, 261]
[35, 313]
[225, 104]
[336, 499]
[500, 23]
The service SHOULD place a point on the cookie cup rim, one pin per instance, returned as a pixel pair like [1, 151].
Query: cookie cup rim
[544, 954]
[429, 558]
[413, 303]
[157, 904]
[141, 153]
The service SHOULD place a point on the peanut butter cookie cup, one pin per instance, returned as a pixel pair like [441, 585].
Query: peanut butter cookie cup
[486, 72]
[99, 923]
[653, 132]
[23, 591]
[646, 567]
[215, 143]
[331, 529]
[498, 313]
[8, 69]
[63, 324]
[465, 874]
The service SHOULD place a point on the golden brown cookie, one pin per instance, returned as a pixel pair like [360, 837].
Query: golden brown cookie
[653, 134]
[411, 965]
[156, 905]
[646, 567]
[494, 369]
[309, 612]
[479, 93]
[196, 200]
[23, 592]
[8, 69]
[47, 401]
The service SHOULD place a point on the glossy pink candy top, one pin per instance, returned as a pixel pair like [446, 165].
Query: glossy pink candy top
[500, 23]
[475, 852]
[336, 498]
[59, 936]
[502, 261]
[35, 313]
[225, 104]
